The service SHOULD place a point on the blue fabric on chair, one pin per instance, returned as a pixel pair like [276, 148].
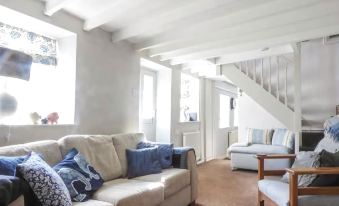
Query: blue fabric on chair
[80, 178]
[142, 162]
[259, 136]
[44, 180]
[180, 157]
[165, 151]
[331, 128]
[283, 137]
[8, 164]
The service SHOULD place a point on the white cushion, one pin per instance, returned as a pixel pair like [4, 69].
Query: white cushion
[124, 192]
[98, 151]
[92, 203]
[172, 179]
[123, 142]
[260, 149]
[278, 192]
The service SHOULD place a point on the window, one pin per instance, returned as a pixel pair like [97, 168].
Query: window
[189, 101]
[224, 111]
[236, 114]
[148, 89]
[51, 86]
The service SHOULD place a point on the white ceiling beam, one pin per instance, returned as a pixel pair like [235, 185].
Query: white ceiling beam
[257, 25]
[123, 9]
[255, 36]
[266, 41]
[174, 14]
[167, 64]
[240, 14]
[254, 54]
[53, 6]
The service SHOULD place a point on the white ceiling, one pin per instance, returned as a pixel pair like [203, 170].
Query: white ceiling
[180, 31]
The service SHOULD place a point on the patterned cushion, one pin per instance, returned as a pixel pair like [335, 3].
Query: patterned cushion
[283, 137]
[80, 178]
[259, 136]
[331, 128]
[44, 181]
[165, 152]
[8, 164]
[142, 162]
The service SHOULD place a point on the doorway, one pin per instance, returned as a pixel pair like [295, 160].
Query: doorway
[148, 97]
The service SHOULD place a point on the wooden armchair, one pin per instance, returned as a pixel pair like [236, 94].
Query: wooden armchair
[294, 190]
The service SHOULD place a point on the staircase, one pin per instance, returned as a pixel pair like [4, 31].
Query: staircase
[269, 81]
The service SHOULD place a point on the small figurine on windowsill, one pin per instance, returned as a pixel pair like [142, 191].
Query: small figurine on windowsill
[35, 117]
[53, 118]
[44, 121]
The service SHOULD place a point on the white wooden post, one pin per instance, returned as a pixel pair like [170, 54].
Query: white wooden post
[269, 76]
[297, 97]
[286, 101]
[261, 72]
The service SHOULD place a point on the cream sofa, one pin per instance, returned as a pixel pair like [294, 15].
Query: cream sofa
[106, 153]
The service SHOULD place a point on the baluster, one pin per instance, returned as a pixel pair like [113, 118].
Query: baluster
[286, 101]
[255, 71]
[278, 78]
[247, 68]
[269, 75]
[262, 73]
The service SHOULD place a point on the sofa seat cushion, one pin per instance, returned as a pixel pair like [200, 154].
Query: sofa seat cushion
[49, 149]
[92, 203]
[172, 179]
[126, 192]
[260, 149]
[278, 192]
[98, 151]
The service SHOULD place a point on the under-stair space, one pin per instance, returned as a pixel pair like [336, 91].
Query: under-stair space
[269, 81]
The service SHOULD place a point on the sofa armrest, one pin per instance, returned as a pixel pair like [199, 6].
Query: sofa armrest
[185, 158]
[316, 171]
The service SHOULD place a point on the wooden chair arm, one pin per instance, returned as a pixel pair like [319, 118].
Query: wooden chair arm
[316, 171]
[275, 156]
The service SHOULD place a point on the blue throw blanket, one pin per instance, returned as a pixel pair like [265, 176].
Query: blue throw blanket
[180, 157]
[331, 128]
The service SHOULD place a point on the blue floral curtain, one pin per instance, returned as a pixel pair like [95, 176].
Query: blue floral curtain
[42, 49]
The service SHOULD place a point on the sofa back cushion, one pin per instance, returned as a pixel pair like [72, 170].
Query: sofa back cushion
[283, 137]
[123, 142]
[259, 136]
[49, 149]
[98, 151]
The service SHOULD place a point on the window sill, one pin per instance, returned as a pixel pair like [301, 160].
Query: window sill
[37, 125]
[190, 122]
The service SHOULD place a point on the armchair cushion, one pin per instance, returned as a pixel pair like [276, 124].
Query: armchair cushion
[283, 137]
[278, 192]
[327, 159]
[260, 149]
[259, 136]
[304, 160]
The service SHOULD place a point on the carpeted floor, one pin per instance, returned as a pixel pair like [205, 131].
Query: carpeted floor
[220, 186]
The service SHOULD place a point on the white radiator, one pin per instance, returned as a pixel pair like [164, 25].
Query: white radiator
[193, 139]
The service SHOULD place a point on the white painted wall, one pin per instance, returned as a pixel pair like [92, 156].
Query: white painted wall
[320, 82]
[107, 82]
[252, 115]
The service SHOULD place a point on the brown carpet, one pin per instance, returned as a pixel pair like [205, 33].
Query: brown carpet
[220, 186]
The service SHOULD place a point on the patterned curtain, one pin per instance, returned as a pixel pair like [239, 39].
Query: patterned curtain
[42, 49]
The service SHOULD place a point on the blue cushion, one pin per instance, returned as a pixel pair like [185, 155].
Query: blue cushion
[8, 165]
[165, 151]
[142, 162]
[44, 181]
[283, 137]
[80, 178]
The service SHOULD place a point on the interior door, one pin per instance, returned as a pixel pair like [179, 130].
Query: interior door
[223, 121]
[148, 103]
